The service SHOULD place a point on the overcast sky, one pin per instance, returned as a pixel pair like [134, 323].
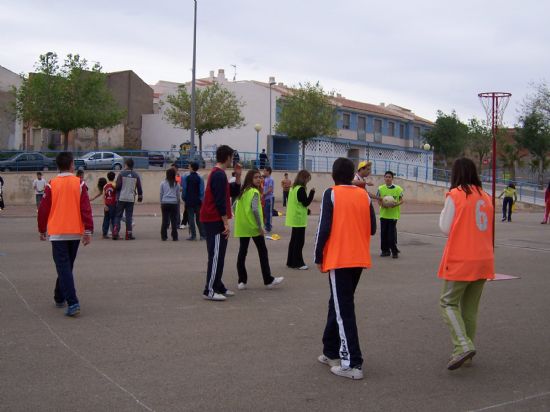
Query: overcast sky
[425, 55]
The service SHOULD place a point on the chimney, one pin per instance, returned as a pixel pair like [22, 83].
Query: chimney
[221, 75]
[338, 95]
[272, 80]
[382, 104]
[281, 84]
[212, 74]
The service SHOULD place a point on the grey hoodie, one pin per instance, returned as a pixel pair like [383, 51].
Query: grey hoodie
[169, 194]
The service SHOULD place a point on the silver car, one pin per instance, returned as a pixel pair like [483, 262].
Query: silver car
[99, 160]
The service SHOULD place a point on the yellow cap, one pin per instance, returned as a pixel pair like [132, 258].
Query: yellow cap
[363, 164]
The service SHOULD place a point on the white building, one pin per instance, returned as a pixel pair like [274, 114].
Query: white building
[159, 134]
[11, 130]
[382, 133]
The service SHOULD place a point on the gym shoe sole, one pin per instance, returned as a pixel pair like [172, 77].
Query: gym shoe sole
[305, 267]
[350, 373]
[229, 293]
[241, 286]
[275, 282]
[327, 361]
[215, 297]
[457, 361]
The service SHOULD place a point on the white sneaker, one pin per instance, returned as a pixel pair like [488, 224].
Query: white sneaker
[327, 361]
[241, 286]
[229, 293]
[305, 267]
[275, 282]
[183, 226]
[351, 373]
[215, 296]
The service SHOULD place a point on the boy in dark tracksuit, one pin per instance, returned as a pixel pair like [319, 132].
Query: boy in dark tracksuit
[193, 195]
[214, 215]
[342, 249]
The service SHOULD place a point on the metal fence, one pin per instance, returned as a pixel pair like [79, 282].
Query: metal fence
[160, 159]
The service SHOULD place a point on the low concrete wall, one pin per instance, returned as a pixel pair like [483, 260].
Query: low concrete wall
[18, 186]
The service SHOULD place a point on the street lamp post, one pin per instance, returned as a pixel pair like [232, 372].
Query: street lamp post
[427, 148]
[271, 83]
[193, 102]
[49, 73]
[257, 127]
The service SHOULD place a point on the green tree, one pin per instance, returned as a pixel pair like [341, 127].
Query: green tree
[509, 152]
[66, 97]
[216, 108]
[538, 101]
[449, 135]
[534, 135]
[307, 112]
[479, 140]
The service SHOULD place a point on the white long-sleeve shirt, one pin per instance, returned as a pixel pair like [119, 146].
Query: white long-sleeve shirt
[447, 215]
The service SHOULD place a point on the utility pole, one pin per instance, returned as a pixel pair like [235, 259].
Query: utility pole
[193, 103]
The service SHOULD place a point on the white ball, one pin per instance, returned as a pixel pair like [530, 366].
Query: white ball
[388, 201]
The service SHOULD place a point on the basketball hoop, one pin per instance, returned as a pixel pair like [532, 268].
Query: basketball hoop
[494, 104]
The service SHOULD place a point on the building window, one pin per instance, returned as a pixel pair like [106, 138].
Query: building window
[346, 120]
[391, 128]
[402, 131]
[362, 123]
[416, 132]
[377, 126]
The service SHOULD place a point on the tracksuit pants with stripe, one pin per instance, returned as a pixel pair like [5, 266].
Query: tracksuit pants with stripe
[340, 339]
[459, 305]
[216, 244]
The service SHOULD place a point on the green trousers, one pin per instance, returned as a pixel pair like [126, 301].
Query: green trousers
[459, 305]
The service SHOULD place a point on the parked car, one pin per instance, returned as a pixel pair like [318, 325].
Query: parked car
[28, 161]
[156, 159]
[183, 161]
[99, 160]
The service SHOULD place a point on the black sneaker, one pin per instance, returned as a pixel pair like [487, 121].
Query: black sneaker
[456, 361]
[385, 254]
[394, 255]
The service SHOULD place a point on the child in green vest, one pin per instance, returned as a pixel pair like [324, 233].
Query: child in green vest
[248, 225]
[389, 215]
[296, 218]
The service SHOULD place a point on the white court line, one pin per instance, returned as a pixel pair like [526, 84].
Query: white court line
[74, 352]
[498, 405]
[537, 249]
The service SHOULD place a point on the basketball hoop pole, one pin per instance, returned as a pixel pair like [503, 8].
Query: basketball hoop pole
[495, 108]
[494, 161]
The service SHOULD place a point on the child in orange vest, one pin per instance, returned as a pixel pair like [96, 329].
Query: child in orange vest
[342, 249]
[468, 258]
[65, 215]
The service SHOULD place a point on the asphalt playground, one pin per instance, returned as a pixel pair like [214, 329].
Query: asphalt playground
[147, 341]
